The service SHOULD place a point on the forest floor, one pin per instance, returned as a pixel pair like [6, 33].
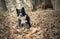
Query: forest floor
[45, 25]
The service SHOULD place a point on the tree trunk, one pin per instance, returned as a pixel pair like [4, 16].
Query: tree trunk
[10, 4]
[57, 4]
[2, 6]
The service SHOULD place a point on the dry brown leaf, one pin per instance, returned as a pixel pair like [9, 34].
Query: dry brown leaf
[31, 33]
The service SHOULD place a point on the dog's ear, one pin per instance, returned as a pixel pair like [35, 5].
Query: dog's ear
[17, 11]
[23, 11]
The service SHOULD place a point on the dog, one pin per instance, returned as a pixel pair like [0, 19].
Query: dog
[23, 18]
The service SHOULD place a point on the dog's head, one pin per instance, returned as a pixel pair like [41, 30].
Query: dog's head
[21, 12]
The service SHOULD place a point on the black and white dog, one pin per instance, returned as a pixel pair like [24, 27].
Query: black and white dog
[23, 18]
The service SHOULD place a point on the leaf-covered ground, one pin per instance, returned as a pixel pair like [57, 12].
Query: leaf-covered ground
[45, 25]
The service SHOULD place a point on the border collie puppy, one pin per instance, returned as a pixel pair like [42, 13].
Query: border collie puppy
[23, 18]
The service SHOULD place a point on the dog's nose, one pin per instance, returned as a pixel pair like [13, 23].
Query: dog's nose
[20, 13]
